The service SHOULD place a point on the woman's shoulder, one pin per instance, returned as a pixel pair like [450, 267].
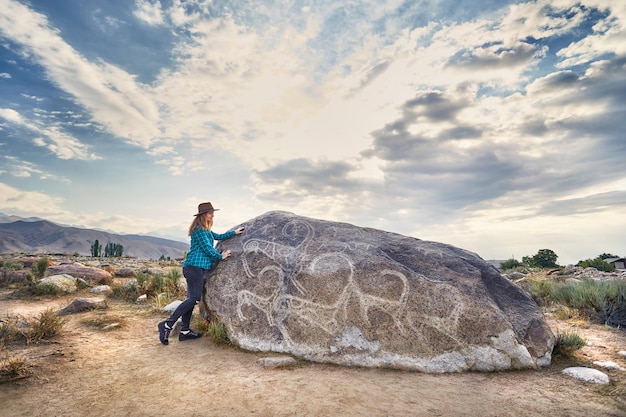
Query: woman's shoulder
[200, 232]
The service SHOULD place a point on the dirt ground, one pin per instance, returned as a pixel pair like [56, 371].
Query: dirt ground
[127, 372]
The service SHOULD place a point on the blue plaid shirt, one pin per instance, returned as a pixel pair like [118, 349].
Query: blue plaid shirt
[202, 252]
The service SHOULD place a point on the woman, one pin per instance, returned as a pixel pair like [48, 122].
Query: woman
[200, 258]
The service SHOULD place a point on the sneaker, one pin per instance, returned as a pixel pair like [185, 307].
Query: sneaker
[164, 332]
[188, 335]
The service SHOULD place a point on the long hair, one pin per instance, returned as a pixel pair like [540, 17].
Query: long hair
[201, 221]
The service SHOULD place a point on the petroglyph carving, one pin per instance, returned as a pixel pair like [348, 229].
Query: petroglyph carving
[293, 260]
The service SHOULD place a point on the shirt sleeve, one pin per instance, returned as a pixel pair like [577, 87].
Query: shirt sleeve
[205, 242]
[223, 236]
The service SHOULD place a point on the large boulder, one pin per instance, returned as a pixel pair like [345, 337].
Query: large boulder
[337, 293]
[78, 270]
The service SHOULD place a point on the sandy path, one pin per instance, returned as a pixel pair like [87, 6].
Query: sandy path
[127, 372]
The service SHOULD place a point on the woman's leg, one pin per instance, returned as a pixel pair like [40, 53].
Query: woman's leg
[195, 281]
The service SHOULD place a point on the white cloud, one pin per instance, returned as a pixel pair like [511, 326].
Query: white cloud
[114, 98]
[11, 115]
[149, 12]
[5, 75]
[29, 203]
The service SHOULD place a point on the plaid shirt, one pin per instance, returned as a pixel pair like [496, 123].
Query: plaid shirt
[202, 253]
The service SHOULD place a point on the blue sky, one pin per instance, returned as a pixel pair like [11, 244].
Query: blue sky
[495, 126]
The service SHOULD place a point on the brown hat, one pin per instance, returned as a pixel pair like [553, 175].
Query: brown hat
[204, 207]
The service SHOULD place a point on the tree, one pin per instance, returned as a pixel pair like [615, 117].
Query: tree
[96, 249]
[113, 250]
[545, 258]
[607, 256]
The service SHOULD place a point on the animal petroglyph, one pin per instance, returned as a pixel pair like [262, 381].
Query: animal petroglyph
[290, 261]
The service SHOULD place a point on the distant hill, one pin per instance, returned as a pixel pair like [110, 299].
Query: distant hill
[41, 236]
[9, 218]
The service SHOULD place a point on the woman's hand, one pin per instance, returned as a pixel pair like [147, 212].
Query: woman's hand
[240, 230]
[226, 254]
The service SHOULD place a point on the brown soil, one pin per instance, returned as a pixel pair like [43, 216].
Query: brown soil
[127, 372]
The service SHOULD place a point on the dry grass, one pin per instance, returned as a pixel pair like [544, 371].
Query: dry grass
[13, 367]
[104, 321]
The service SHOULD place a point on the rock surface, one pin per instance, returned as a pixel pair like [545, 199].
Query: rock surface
[78, 270]
[79, 305]
[337, 293]
[588, 375]
[63, 282]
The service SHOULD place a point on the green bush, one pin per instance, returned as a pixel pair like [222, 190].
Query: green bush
[598, 263]
[219, 332]
[157, 285]
[129, 291]
[510, 264]
[172, 280]
[46, 289]
[567, 344]
[541, 291]
[602, 301]
[8, 269]
[40, 267]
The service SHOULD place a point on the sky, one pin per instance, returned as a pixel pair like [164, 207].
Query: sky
[495, 126]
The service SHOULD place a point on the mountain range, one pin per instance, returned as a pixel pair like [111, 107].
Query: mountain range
[35, 235]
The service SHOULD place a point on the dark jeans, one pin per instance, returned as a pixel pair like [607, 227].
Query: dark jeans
[195, 282]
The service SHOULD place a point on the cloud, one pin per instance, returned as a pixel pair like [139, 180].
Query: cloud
[149, 12]
[112, 96]
[64, 146]
[24, 169]
[594, 203]
[11, 116]
[29, 203]
[5, 75]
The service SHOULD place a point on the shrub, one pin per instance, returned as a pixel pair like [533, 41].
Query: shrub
[45, 289]
[172, 280]
[218, 332]
[44, 326]
[142, 280]
[12, 367]
[567, 344]
[129, 291]
[510, 264]
[8, 269]
[603, 301]
[597, 263]
[9, 330]
[39, 268]
[541, 291]
[156, 285]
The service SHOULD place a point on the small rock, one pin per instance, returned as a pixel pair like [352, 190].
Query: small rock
[587, 375]
[154, 271]
[609, 365]
[125, 272]
[276, 362]
[622, 353]
[102, 289]
[78, 305]
[142, 298]
[171, 306]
